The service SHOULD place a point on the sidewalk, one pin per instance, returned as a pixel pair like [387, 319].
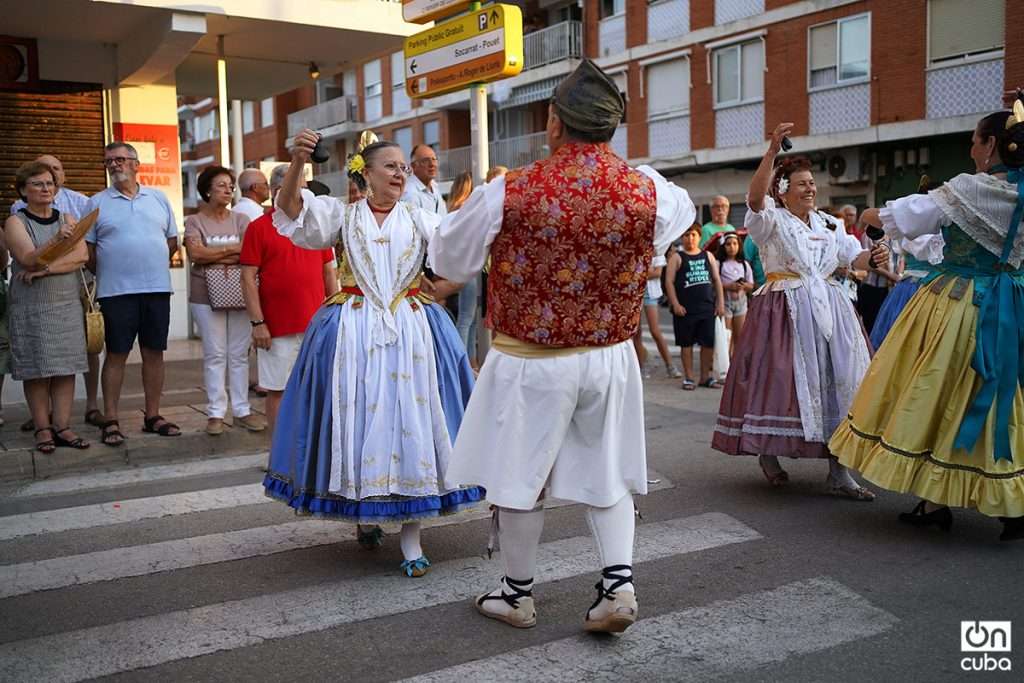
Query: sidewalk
[184, 403]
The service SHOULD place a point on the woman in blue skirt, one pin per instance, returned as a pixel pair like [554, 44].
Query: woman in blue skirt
[920, 256]
[376, 397]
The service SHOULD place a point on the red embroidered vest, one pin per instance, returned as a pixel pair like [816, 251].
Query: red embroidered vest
[569, 266]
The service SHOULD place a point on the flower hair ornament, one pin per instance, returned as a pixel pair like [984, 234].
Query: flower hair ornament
[782, 186]
[1016, 116]
[356, 162]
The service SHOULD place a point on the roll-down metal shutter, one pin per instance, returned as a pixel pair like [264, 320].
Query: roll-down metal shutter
[68, 125]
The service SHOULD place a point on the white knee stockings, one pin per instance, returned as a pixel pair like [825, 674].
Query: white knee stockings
[410, 541]
[613, 528]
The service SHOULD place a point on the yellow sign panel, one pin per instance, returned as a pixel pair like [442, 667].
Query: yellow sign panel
[480, 47]
[425, 11]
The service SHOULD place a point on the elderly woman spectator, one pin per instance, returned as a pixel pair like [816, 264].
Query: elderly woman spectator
[213, 238]
[47, 323]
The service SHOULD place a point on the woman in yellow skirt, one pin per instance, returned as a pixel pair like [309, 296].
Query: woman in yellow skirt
[940, 411]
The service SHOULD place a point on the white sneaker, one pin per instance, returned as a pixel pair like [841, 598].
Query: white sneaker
[509, 603]
[645, 371]
[673, 372]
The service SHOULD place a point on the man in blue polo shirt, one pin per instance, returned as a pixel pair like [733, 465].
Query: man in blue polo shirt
[130, 247]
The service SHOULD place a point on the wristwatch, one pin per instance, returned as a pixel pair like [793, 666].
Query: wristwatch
[257, 323]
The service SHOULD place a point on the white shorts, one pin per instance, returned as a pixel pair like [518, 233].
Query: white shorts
[573, 425]
[275, 363]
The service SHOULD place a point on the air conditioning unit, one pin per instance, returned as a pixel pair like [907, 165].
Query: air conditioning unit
[845, 167]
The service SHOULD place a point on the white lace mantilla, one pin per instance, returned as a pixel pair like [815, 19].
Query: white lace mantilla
[982, 205]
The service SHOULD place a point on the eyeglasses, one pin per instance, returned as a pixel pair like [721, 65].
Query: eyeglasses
[224, 186]
[426, 160]
[396, 169]
[41, 184]
[117, 161]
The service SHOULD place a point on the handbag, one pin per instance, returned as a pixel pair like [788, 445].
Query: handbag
[224, 285]
[95, 330]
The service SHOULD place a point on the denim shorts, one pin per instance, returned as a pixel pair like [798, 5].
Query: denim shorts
[736, 307]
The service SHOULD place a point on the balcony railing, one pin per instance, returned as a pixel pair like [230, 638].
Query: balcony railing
[332, 112]
[510, 152]
[553, 44]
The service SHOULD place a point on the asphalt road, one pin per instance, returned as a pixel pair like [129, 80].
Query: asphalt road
[181, 573]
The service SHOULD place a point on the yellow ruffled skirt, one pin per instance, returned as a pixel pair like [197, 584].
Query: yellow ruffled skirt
[906, 415]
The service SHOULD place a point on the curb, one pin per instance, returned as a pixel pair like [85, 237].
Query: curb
[26, 464]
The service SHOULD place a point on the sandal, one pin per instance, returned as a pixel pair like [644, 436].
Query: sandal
[112, 435]
[689, 385]
[777, 480]
[852, 492]
[78, 442]
[711, 383]
[149, 425]
[94, 417]
[46, 447]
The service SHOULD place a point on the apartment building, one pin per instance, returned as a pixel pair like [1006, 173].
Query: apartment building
[264, 131]
[881, 91]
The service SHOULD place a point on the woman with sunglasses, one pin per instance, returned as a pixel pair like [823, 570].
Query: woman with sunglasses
[368, 417]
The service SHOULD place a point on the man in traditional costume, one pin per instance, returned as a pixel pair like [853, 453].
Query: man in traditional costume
[558, 407]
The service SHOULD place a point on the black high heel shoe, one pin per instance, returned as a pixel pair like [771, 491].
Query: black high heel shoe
[1013, 529]
[942, 518]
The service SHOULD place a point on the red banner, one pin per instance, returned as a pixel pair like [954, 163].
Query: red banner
[159, 161]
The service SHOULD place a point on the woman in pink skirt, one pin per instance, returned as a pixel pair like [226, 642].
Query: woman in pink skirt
[803, 351]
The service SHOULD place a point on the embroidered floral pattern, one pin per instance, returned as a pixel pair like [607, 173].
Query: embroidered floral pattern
[569, 266]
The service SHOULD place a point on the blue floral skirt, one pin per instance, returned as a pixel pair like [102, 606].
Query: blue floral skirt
[300, 454]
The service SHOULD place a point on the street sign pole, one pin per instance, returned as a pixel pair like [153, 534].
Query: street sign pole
[464, 52]
[481, 162]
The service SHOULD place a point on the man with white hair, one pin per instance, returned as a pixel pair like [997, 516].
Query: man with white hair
[67, 201]
[255, 190]
[283, 286]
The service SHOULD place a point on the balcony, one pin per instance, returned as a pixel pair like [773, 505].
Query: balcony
[337, 181]
[511, 152]
[342, 109]
[553, 44]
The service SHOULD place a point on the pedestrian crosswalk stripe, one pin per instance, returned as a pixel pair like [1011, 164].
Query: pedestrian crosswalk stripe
[149, 641]
[695, 644]
[140, 560]
[139, 475]
[103, 514]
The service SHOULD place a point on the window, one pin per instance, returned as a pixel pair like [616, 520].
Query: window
[432, 134]
[403, 138]
[372, 108]
[739, 73]
[959, 29]
[399, 99]
[248, 117]
[840, 51]
[371, 79]
[667, 85]
[206, 126]
[621, 79]
[267, 112]
[610, 8]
